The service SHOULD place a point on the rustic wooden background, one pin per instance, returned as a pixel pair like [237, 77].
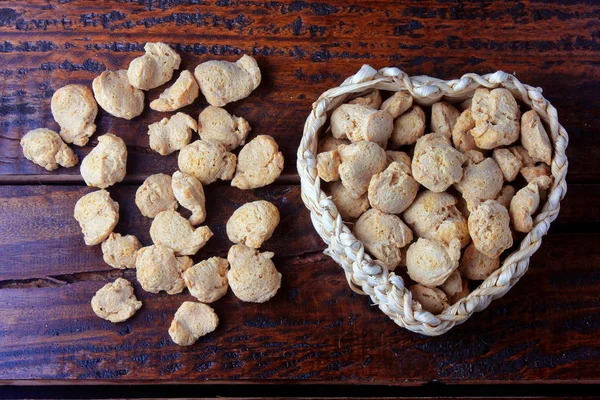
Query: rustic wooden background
[315, 330]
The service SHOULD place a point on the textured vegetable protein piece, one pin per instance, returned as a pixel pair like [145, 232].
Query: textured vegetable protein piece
[74, 109]
[461, 133]
[223, 82]
[120, 251]
[190, 194]
[207, 280]
[192, 321]
[477, 266]
[328, 164]
[348, 207]
[496, 115]
[358, 122]
[533, 172]
[155, 195]
[171, 134]
[482, 180]
[360, 161]
[383, 235]
[253, 223]
[217, 124]
[436, 164]
[115, 302]
[453, 285]
[207, 161]
[393, 190]
[433, 300]
[400, 157]
[522, 155]
[182, 93]
[408, 127]
[372, 100]
[171, 230]
[534, 138]
[45, 148]
[329, 143]
[443, 118]
[97, 215]
[259, 163]
[252, 276]
[430, 262]
[508, 162]
[153, 68]
[523, 206]
[157, 268]
[489, 226]
[463, 293]
[505, 195]
[106, 164]
[116, 96]
[397, 104]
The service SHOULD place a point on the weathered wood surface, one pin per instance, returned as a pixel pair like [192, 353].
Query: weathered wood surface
[315, 330]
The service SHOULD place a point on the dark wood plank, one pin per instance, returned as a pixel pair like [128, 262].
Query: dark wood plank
[303, 49]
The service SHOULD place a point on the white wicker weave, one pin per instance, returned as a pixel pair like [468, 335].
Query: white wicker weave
[371, 277]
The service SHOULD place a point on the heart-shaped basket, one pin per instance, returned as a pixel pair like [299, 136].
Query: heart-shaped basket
[371, 277]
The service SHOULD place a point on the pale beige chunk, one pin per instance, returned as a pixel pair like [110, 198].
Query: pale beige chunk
[524, 205]
[436, 164]
[223, 82]
[153, 68]
[464, 105]
[252, 276]
[155, 195]
[533, 172]
[393, 190]
[329, 143]
[505, 195]
[157, 268]
[116, 302]
[400, 157]
[120, 251]
[349, 207]
[371, 100]
[171, 134]
[171, 230]
[259, 163]
[328, 164]
[496, 115]
[482, 180]
[74, 109]
[182, 93]
[358, 122]
[46, 149]
[106, 164]
[475, 265]
[207, 280]
[462, 294]
[397, 104]
[430, 262]
[383, 235]
[433, 300]
[116, 96]
[453, 285]
[207, 161]
[435, 216]
[190, 194]
[489, 226]
[217, 124]
[534, 137]
[360, 161]
[97, 215]
[253, 223]
[408, 127]
[461, 134]
[443, 118]
[522, 155]
[508, 163]
[192, 321]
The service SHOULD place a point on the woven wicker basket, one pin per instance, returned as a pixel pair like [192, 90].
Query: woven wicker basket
[371, 277]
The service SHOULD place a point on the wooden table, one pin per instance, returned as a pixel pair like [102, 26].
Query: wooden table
[316, 330]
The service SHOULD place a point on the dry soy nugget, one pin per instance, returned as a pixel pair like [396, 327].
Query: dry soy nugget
[252, 276]
[534, 138]
[489, 226]
[223, 82]
[116, 302]
[360, 161]
[155, 195]
[348, 207]
[207, 161]
[524, 205]
[45, 148]
[408, 127]
[253, 223]
[106, 164]
[508, 162]
[430, 262]
[192, 321]
[171, 230]
[120, 251]
[153, 68]
[436, 164]
[393, 190]
[182, 93]
[259, 163]
[443, 118]
[397, 104]
[190, 194]
[97, 215]
[171, 134]
[116, 96]
[74, 109]
[475, 265]
[329, 143]
[482, 179]
[461, 133]
[358, 122]
[496, 115]
[217, 124]
[433, 300]
[371, 100]
[157, 268]
[207, 280]
[328, 164]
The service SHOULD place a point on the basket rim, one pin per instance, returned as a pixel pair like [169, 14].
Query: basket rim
[371, 277]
